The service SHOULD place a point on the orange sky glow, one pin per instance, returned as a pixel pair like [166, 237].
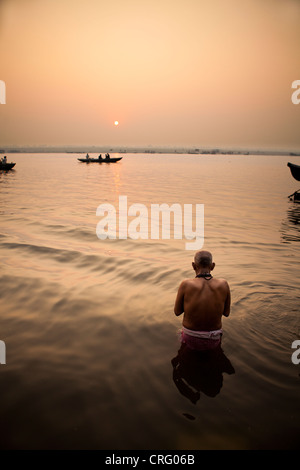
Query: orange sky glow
[172, 72]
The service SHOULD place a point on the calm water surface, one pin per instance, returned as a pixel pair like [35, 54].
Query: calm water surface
[93, 358]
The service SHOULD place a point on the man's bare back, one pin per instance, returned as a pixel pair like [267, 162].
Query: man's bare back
[203, 300]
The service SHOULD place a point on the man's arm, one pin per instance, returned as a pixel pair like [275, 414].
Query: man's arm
[179, 302]
[227, 303]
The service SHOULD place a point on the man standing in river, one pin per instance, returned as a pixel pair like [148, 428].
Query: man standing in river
[203, 300]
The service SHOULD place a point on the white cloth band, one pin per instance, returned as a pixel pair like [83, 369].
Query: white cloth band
[214, 334]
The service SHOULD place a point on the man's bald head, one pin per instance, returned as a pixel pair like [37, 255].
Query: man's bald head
[203, 259]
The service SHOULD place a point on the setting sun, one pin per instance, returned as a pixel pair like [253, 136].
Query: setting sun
[116, 123]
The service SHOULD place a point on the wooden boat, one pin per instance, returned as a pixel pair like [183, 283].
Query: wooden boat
[100, 160]
[295, 170]
[107, 159]
[6, 166]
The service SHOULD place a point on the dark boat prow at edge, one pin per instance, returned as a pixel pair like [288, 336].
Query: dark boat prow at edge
[295, 170]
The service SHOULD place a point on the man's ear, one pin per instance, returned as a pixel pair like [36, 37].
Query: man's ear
[194, 266]
[213, 266]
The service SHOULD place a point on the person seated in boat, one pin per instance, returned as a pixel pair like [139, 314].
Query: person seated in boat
[100, 157]
[4, 160]
[107, 155]
[87, 156]
[203, 300]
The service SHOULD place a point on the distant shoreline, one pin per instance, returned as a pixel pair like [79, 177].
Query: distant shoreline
[148, 150]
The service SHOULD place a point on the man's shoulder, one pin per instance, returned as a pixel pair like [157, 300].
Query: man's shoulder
[187, 282]
[221, 282]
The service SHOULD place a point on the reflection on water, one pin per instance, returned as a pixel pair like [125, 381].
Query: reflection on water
[7, 174]
[290, 229]
[200, 371]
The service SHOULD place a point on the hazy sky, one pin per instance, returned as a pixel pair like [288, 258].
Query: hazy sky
[172, 72]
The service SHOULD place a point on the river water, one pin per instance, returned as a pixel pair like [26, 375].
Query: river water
[93, 359]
